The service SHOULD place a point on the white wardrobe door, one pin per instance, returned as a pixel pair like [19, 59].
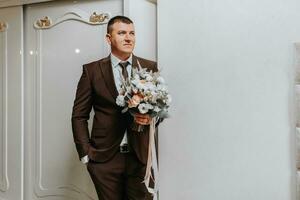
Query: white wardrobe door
[54, 57]
[59, 39]
[11, 103]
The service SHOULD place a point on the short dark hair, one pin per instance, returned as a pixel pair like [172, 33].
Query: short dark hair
[118, 18]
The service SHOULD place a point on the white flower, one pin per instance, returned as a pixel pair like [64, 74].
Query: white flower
[162, 88]
[149, 77]
[169, 99]
[154, 97]
[138, 84]
[128, 88]
[148, 86]
[120, 100]
[136, 77]
[142, 74]
[134, 90]
[160, 80]
[156, 109]
[153, 93]
[135, 81]
[144, 107]
[151, 90]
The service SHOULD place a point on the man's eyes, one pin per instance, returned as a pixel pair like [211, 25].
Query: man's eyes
[122, 33]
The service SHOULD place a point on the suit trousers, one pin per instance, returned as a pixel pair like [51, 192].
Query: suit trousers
[120, 178]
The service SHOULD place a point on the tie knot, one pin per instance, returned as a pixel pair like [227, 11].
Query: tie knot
[124, 64]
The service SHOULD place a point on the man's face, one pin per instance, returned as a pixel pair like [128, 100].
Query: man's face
[121, 38]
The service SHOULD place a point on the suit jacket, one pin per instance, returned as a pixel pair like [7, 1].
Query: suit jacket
[96, 89]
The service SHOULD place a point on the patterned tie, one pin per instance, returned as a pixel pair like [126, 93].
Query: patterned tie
[124, 70]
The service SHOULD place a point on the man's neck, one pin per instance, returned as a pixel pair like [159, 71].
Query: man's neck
[122, 57]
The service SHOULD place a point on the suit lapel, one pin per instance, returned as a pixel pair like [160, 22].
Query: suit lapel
[134, 61]
[108, 76]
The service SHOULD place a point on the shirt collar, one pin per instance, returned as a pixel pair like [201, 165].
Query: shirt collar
[115, 60]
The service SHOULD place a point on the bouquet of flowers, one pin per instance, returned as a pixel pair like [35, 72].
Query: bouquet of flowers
[145, 93]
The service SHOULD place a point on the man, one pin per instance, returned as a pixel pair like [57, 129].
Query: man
[116, 155]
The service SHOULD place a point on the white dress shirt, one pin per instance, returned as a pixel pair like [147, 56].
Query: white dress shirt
[117, 72]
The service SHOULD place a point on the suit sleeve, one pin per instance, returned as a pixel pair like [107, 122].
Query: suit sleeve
[155, 68]
[81, 113]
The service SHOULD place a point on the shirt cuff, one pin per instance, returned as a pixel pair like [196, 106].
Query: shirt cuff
[85, 159]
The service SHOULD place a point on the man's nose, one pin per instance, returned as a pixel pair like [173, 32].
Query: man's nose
[128, 37]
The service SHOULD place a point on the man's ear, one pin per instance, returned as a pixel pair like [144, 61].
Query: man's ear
[108, 37]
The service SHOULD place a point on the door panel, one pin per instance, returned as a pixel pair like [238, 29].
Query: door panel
[59, 39]
[11, 103]
[55, 54]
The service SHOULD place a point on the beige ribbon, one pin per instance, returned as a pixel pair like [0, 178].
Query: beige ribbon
[152, 161]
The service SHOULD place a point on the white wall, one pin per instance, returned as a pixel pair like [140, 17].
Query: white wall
[143, 14]
[229, 65]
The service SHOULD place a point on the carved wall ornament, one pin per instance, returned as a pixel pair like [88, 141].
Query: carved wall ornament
[3, 26]
[44, 23]
[75, 14]
[41, 24]
[95, 18]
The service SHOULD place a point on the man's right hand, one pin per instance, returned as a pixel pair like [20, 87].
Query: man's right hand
[143, 119]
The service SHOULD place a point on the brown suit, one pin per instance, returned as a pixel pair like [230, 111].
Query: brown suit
[96, 88]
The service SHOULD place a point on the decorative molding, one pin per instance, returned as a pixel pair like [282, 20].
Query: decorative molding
[295, 116]
[152, 1]
[4, 184]
[98, 18]
[44, 23]
[40, 190]
[79, 15]
[3, 26]
[297, 70]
